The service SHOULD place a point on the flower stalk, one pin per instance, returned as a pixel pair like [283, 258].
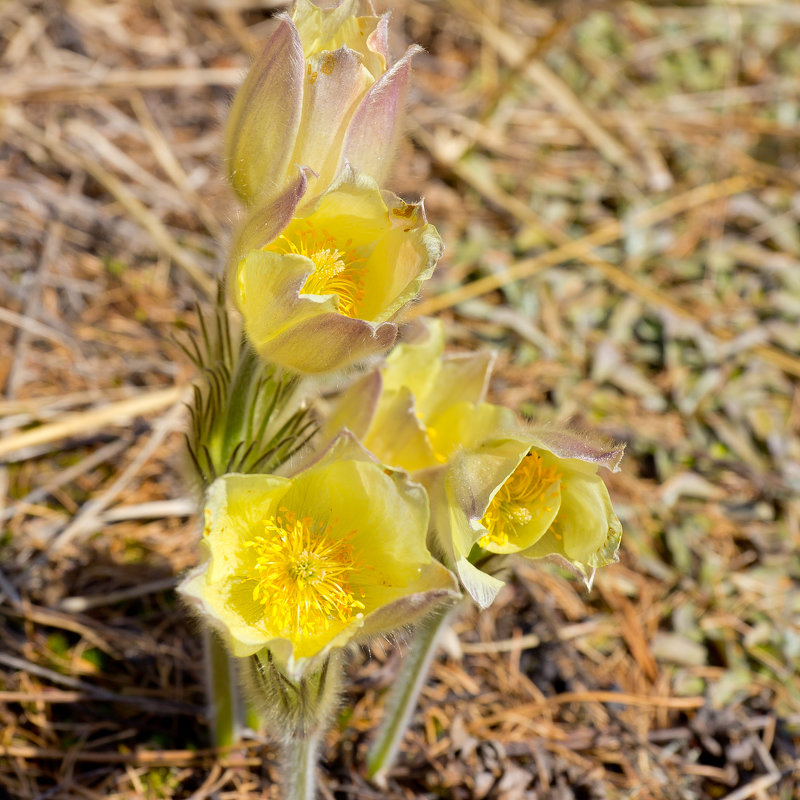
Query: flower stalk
[405, 691]
[300, 710]
[300, 767]
[222, 690]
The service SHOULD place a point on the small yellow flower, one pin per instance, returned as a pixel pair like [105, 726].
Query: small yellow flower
[319, 95]
[496, 487]
[325, 286]
[333, 555]
[532, 492]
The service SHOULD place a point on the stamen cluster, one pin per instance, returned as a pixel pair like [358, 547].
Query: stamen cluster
[336, 271]
[526, 495]
[302, 574]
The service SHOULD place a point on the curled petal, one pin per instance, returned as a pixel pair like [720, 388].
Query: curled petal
[266, 222]
[583, 445]
[378, 40]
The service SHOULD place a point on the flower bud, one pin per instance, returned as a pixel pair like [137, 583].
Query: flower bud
[320, 94]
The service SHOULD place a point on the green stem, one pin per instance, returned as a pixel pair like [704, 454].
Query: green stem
[224, 705]
[405, 693]
[239, 398]
[300, 766]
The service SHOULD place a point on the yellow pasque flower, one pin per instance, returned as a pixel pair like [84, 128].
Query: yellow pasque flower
[300, 565]
[526, 491]
[319, 95]
[325, 286]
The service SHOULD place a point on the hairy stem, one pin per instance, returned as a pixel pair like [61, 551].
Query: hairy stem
[222, 689]
[405, 693]
[300, 766]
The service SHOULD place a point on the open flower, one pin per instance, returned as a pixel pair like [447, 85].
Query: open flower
[525, 491]
[334, 555]
[325, 285]
[319, 95]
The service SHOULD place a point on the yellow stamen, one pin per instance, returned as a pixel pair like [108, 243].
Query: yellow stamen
[523, 497]
[336, 271]
[302, 576]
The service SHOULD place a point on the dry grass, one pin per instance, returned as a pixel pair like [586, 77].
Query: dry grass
[618, 185]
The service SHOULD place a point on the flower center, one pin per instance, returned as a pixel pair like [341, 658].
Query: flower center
[521, 499]
[302, 576]
[336, 271]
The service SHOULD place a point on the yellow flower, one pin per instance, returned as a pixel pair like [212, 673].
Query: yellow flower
[319, 95]
[334, 555]
[324, 288]
[532, 492]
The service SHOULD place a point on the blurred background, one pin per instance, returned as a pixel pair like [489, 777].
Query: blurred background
[618, 187]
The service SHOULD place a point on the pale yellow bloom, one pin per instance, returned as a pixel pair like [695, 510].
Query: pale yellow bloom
[323, 289]
[320, 95]
[496, 486]
[518, 490]
[299, 565]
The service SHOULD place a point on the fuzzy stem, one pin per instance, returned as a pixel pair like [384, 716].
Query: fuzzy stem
[300, 766]
[298, 709]
[224, 706]
[238, 397]
[405, 693]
